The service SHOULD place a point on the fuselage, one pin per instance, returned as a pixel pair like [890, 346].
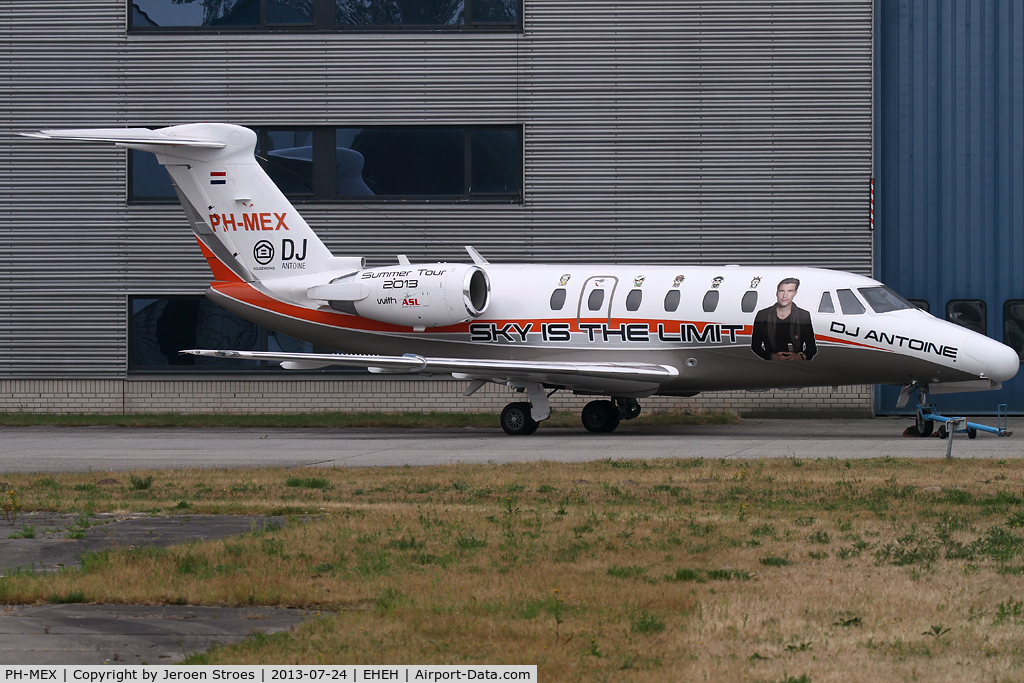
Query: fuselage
[699, 319]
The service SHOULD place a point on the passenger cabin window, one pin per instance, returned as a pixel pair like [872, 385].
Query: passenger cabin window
[921, 304]
[557, 299]
[849, 302]
[711, 301]
[633, 299]
[969, 313]
[672, 300]
[595, 300]
[883, 299]
[826, 305]
[1013, 326]
[749, 302]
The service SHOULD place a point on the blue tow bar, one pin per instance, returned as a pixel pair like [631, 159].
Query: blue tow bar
[960, 425]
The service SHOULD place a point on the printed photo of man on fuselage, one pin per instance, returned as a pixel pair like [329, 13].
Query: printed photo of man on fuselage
[784, 331]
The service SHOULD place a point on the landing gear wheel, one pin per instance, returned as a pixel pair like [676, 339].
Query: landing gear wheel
[600, 416]
[924, 427]
[517, 421]
[972, 433]
[943, 432]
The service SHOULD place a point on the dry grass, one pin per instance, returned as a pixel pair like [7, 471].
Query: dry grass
[613, 570]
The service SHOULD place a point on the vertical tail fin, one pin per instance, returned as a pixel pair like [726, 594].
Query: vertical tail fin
[235, 209]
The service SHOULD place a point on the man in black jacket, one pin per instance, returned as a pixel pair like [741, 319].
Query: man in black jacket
[783, 331]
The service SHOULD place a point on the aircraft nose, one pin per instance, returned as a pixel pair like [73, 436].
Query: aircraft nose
[1000, 361]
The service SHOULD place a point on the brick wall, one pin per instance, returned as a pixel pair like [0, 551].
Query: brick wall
[403, 394]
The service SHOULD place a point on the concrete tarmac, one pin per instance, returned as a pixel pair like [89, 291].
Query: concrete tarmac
[65, 449]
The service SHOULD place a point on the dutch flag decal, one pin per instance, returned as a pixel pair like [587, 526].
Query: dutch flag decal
[218, 177]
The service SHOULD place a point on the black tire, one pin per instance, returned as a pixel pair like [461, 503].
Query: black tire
[517, 421]
[972, 433]
[924, 427]
[600, 417]
[943, 432]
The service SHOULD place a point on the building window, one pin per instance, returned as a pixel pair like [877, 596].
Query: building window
[324, 15]
[1013, 326]
[375, 164]
[920, 304]
[161, 326]
[969, 313]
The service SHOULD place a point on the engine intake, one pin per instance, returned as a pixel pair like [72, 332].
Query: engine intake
[417, 295]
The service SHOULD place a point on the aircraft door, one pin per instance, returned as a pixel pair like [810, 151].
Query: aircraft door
[596, 299]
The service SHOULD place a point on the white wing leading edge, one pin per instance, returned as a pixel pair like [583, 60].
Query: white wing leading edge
[626, 378]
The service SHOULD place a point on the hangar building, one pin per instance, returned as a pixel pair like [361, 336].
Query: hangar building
[730, 131]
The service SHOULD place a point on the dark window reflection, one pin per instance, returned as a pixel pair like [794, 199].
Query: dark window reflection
[595, 300]
[149, 13]
[1013, 326]
[495, 161]
[411, 161]
[290, 12]
[826, 305]
[920, 303]
[495, 11]
[849, 302]
[149, 179]
[749, 301]
[557, 299]
[160, 327]
[288, 160]
[969, 313]
[633, 299]
[400, 12]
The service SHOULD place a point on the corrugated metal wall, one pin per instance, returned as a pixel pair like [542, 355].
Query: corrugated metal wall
[951, 163]
[683, 132]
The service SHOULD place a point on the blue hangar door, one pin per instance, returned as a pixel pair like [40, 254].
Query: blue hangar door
[949, 84]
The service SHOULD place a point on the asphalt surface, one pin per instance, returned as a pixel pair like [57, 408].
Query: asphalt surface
[78, 449]
[96, 634]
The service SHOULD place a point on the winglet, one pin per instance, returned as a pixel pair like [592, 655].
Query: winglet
[477, 258]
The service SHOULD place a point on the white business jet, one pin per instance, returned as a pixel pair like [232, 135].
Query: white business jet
[619, 332]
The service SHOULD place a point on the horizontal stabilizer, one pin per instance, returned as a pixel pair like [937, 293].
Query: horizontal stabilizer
[124, 136]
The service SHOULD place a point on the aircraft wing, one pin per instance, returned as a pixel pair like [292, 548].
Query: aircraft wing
[649, 375]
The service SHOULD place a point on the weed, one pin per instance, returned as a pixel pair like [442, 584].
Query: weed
[775, 561]
[804, 521]
[763, 530]
[470, 542]
[389, 599]
[192, 564]
[10, 505]
[74, 597]
[626, 572]
[686, 574]
[27, 531]
[140, 483]
[1011, 610]
[820, 536]
[307, 482]
[936, 631]
[646, 623]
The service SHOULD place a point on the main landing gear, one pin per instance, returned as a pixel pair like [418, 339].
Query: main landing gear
[600, 416]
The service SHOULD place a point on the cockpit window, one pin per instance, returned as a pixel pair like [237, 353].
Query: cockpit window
[826, 305]
[557, 299]
[749, 301]
[849, 302]
[882, 299]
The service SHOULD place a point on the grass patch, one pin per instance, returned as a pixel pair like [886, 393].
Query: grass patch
[659, 570]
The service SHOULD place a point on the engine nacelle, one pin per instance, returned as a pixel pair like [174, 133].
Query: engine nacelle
[418, 295]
